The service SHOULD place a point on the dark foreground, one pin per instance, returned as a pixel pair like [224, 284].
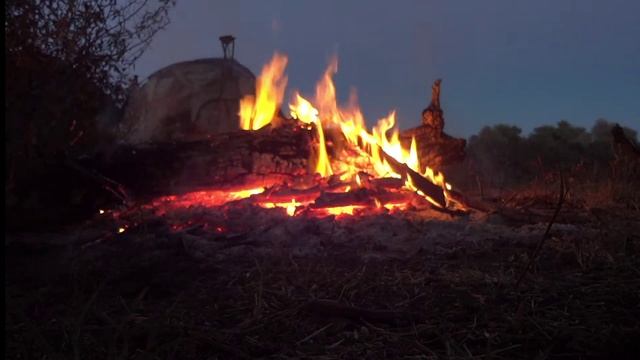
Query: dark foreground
[423, 286]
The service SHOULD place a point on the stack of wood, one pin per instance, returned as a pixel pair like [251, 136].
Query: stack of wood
[435, 148]
[277, 153]
[224, 160]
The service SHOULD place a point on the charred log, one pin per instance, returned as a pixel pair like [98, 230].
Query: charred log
[435, 148]
[361, 197]
[230, 159]
[435, 192]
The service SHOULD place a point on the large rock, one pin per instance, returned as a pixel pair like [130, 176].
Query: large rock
[187, 101]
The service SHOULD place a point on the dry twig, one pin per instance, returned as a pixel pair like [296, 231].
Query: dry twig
[538, 248]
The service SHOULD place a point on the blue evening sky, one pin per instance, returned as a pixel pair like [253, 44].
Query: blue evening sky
[526, 63]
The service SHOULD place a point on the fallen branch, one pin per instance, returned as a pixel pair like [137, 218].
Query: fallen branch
[117, 189]
[538, 248]
[314, 334]
[433, 191]
[362, 197]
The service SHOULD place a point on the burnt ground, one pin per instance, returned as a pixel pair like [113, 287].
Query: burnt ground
[419, 285]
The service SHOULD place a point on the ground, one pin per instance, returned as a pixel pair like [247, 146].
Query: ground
[255, 283]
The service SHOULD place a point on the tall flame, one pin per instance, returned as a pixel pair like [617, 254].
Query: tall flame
[384, 137]
[305, 112]
[258, 111]
[325, 98]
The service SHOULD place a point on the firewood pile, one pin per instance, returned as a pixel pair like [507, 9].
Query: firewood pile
[436, 148]
[321, 159]
[280, 158]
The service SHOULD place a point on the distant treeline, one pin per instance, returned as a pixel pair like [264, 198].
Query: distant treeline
[500, 156]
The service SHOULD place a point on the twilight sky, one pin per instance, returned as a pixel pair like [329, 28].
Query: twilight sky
[524, 63]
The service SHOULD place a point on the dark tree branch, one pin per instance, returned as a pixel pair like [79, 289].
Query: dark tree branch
[536, 252]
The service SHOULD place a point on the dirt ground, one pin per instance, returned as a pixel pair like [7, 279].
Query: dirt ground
[255, 283]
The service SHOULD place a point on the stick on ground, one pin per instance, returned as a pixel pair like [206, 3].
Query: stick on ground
[538, 248]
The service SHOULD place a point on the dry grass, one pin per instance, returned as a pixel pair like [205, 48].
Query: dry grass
[143, 295]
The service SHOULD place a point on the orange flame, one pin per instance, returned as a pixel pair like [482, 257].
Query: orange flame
[326, 94]
[303, 110]
[324, 113]
[259, 111]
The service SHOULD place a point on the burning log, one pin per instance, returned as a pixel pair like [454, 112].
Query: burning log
[387, 183]
[431, 190]
[263, 158]
[285, 195]
[361, 197]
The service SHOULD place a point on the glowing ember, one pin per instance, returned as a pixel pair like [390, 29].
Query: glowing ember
[391, 206]
[291, 208]
[207, 198]
[341, 210]
[245, 193]
[121, 230]
[378, 203]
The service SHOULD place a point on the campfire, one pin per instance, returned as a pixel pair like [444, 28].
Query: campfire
[327, 163]
[320, 160]
[211, 211]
